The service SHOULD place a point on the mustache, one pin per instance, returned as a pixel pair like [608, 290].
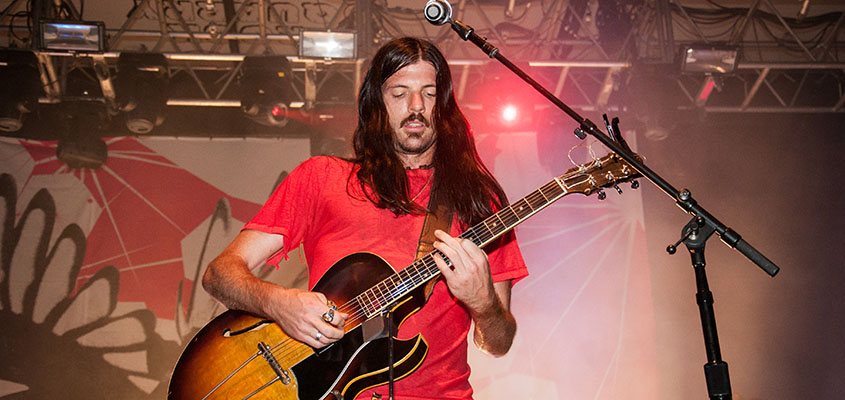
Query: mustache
[416, 117]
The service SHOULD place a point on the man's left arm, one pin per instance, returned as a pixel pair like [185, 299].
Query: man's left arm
[495, 329]
[468, 278]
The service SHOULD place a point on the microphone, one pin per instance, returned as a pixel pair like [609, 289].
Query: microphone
[438, 12]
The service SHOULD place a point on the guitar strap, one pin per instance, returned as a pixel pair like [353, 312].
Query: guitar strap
[438, 216]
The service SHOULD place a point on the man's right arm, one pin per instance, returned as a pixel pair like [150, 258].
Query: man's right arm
[229, 279]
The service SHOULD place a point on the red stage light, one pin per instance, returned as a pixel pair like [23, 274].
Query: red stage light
[276, 111]
[509, 113]
[708, 87]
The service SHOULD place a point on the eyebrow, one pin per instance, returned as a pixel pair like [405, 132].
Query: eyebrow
[432, 85]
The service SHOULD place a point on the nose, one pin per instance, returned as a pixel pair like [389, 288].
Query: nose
[417, 105]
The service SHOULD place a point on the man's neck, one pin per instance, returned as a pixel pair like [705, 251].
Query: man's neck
[415, 161]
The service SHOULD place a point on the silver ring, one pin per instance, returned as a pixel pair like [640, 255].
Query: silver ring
[328, 316]
[318, 335]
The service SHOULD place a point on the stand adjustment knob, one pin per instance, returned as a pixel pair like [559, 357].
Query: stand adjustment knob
[580, 133]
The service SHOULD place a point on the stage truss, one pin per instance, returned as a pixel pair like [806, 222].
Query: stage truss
[598, 55]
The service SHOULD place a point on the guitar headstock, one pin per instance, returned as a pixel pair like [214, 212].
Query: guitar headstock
[607, 171]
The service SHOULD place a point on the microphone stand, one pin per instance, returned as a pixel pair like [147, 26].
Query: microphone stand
[716, 371]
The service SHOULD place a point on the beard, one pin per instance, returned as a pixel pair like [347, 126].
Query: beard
[414, 142]
[403, 146]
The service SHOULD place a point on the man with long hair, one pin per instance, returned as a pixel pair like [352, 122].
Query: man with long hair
[413, 147]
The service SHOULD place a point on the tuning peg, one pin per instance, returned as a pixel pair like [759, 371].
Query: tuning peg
[635, 184]
[618, 189]
[601, 194]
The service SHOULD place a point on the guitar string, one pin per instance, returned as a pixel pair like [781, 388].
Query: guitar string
[356, 314]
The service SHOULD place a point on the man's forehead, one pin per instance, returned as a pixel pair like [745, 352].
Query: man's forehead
[417, 71]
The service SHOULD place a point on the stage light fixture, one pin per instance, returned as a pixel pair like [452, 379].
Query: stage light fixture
[713, 62]
[710, 59]
[141, 90]
[20, 85]
[83, 36]
[509, 113]
[322, 44]
[266, 91]
[711, 82]
[507, 103]
[80, 145]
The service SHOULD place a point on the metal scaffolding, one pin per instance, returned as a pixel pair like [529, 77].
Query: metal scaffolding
[596, 54]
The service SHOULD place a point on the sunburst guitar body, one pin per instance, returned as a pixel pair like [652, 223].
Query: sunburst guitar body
[241, 356]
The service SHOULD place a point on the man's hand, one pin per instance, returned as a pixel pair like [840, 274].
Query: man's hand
[468, 275]
[298, 312]
[305, 316]
[468, 278]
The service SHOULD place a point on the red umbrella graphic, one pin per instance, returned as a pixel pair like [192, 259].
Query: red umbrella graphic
[148, 205]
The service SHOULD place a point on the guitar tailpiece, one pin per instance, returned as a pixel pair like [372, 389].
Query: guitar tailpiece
[265, 351]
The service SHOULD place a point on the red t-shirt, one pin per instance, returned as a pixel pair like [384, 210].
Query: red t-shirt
[319, 206]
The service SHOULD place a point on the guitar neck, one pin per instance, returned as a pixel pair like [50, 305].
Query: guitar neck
[507, 218]
[374, 300]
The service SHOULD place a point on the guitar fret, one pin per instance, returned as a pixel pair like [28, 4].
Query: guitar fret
[384, 292]
[404, 277]
[425, 272]
[555, 188]
[379, 296]
[540, 202]
[540, 190]
[431, 266]
[368, 302]
[498, 216]
[472, 235]
[391, 289]
[514, 214]
[490, 232]
[357, 300]
[522, 208]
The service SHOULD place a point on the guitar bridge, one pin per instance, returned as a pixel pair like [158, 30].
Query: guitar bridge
[265, 351]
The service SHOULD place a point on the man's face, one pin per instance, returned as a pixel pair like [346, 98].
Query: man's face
[409, 96]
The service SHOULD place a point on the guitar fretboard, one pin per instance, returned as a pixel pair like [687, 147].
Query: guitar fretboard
[374, 300]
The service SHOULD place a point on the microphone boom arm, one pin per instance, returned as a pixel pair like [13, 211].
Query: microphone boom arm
[682, 198]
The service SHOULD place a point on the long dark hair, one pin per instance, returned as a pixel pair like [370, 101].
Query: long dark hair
[461, 181]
